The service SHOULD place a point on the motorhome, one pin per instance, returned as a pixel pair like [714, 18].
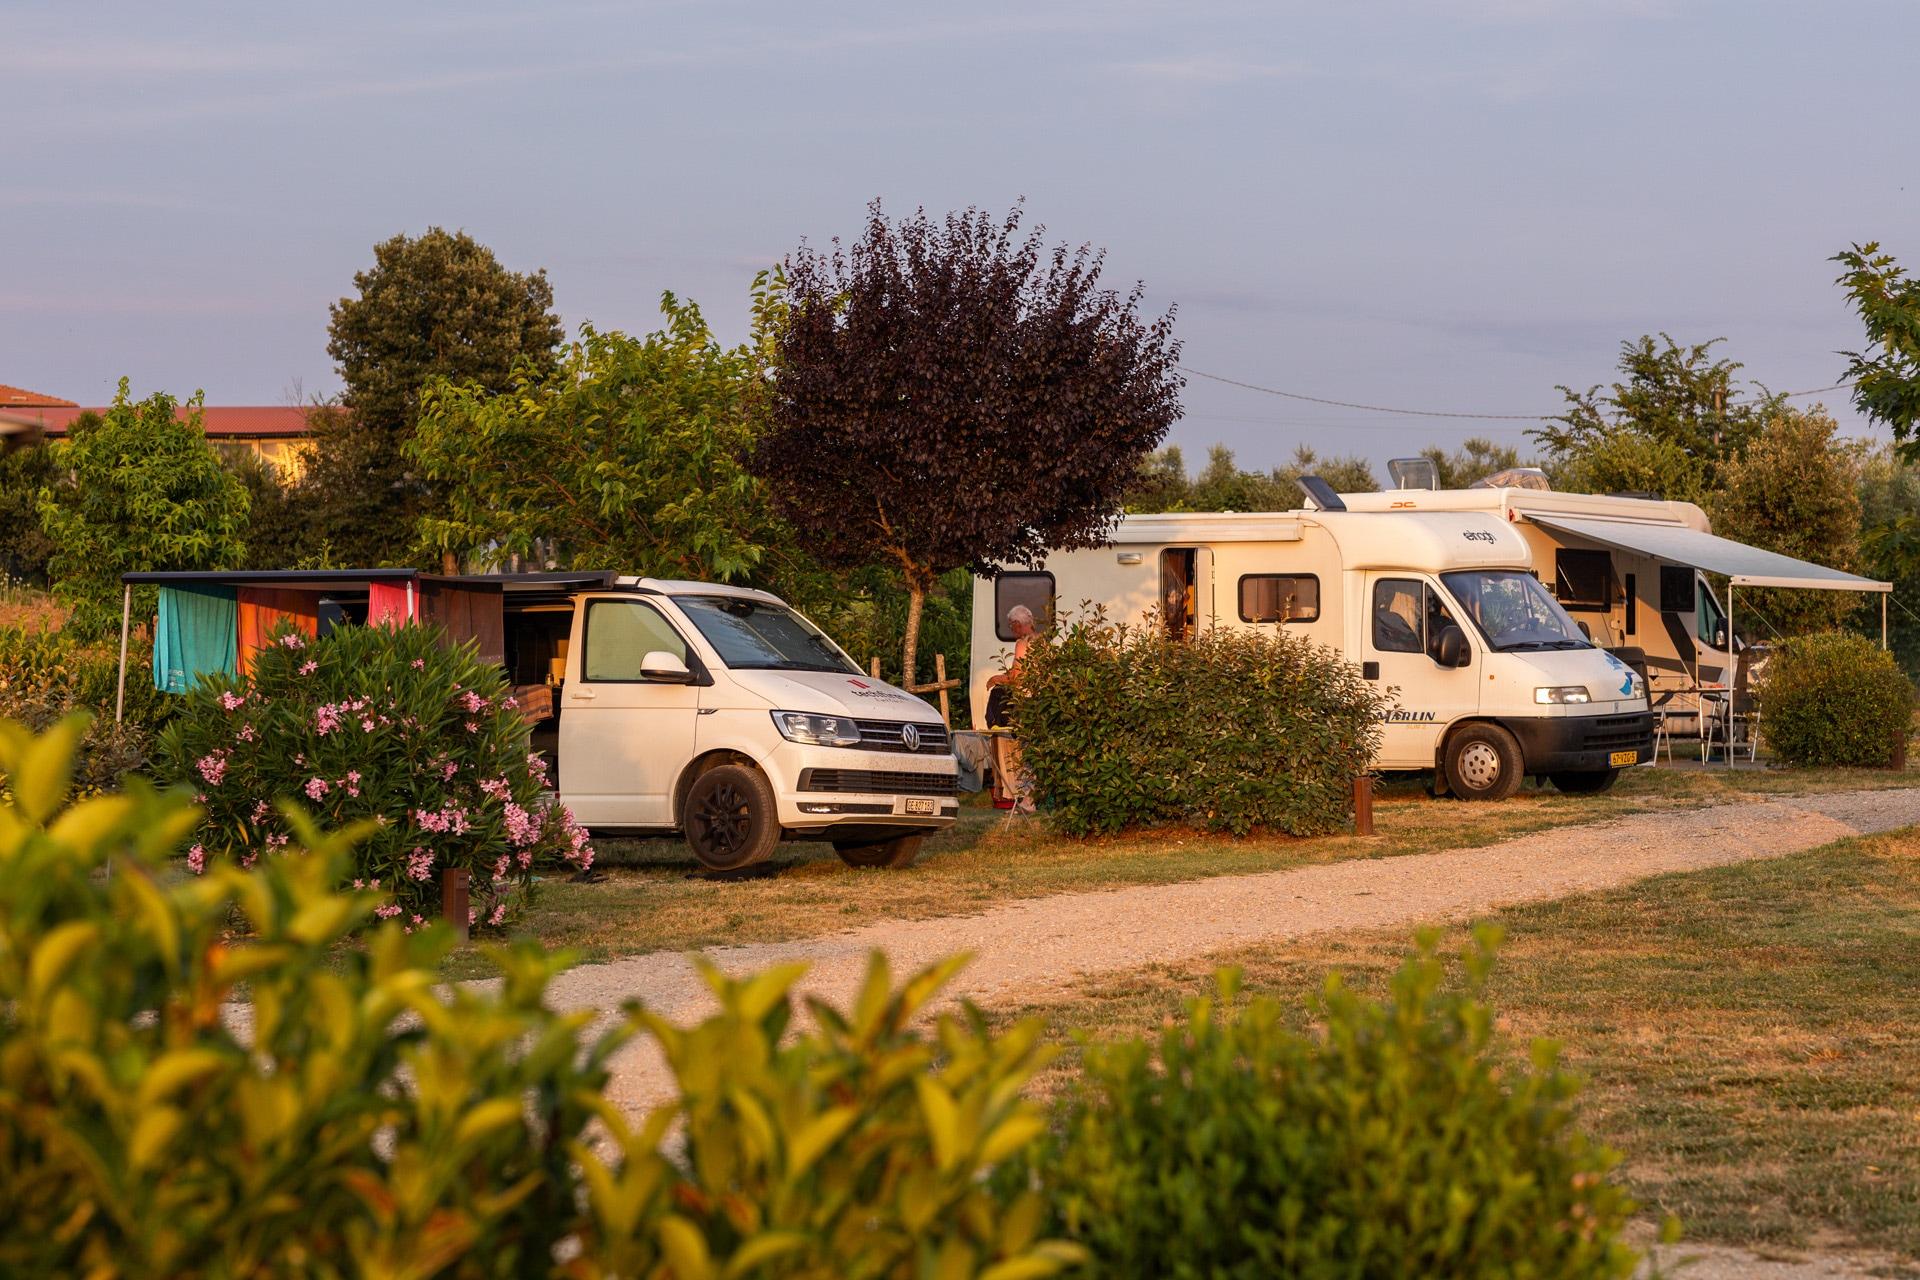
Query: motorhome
[1491, 681]
[714, 711]
[1632, 572]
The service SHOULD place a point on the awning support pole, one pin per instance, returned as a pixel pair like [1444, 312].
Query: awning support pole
[1731, 673]
[126, 622]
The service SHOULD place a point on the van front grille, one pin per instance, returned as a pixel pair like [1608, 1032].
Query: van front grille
[877, 782]
[887, 735]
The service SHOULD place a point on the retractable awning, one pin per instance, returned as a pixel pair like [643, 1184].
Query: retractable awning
[1746, 566]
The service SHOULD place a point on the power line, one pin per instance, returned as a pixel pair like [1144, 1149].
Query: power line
[1439, 413]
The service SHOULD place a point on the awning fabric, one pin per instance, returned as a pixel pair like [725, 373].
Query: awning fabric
[1746, 566]
[194, 637]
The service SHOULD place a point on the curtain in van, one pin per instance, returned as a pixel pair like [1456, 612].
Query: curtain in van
[263, 609]
[194, 636]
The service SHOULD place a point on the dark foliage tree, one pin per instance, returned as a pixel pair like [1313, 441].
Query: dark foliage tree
[24, 546]
[954, 393]
[436, 305]
[1886, 376]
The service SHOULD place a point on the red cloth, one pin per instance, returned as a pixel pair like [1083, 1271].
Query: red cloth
[263, 609]
[391, 604]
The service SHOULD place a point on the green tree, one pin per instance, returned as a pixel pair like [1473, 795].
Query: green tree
[1476, 459]
[628, 456]
[24, 546]
[1795, 491]
[139, 488]
[437, 305]
[1886, 376]
[279, 532]
[954, 393]
[1163, 483]
[1890, 545]
[1666, 429]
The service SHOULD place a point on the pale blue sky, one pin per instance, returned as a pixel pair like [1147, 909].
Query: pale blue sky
[1453, 204]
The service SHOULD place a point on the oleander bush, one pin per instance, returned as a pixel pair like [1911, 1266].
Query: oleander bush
[1835, 698]
[1396, 1142]
[1231, 730]
[212, 1076]
[382, 723]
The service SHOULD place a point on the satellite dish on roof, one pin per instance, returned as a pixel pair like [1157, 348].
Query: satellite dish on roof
[1514, 478]
[1413, 473]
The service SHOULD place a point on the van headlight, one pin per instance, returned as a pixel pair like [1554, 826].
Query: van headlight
[1562, 694]
[817, 731]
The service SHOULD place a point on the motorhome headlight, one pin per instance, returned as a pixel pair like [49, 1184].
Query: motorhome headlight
[1562, 694]
[817, 731]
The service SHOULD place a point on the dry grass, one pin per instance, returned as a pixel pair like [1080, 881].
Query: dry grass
[653, 900]
[1751, 1033]
[28, 608]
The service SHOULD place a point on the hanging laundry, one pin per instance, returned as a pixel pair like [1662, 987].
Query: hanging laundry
[263, 609]
[391, 603]
[195, 636]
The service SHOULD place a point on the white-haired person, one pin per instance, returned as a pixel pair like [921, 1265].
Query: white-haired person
[1014, 780]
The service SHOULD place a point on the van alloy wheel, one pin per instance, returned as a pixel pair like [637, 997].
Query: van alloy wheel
[730, 817]
[722, 819]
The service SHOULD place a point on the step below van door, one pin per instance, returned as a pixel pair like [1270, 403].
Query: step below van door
[623, 739]
[1405, 616]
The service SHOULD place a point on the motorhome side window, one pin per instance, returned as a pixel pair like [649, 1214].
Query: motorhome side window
[1399, 615]
[1583, 579]
[1279, 597]
[1011, 590]
[620, 633]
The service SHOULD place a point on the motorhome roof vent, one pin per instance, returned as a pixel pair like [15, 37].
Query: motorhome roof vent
[1413, 473]
[1515, 478]
[1320, 494]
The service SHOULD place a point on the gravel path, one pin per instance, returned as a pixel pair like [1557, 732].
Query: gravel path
[1029, 949]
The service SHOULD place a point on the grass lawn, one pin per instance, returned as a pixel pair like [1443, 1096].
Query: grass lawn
[1751, 1033]
[651, 899]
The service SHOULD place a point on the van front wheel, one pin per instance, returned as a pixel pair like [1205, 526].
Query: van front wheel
[1587, 782]
[896, 853]
[1483, 762]
[730, 818]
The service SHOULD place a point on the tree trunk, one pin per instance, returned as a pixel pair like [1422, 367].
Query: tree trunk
[910, 646]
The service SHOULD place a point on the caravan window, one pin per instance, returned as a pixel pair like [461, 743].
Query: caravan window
[1010, 590]
[1279, 597]
[1583, 579]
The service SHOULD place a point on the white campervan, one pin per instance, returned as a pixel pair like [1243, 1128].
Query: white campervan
[1491, 680]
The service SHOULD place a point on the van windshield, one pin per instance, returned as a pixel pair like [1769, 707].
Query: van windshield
[755, 635]
[1513, 611]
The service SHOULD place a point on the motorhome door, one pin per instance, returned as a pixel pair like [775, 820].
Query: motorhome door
[1406, 618]
[1186, 590]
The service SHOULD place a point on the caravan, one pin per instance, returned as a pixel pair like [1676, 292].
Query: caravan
[1491, 680]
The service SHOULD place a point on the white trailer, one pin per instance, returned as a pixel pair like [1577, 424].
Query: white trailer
[1491, 680]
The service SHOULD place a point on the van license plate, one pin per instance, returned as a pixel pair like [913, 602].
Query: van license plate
[920, 805]
[1619, 758]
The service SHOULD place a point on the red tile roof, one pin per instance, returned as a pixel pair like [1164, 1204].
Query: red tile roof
[18, 397]
[233, 422]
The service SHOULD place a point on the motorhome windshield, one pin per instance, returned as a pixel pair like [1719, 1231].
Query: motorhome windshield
[755, 635]
[1513, 611]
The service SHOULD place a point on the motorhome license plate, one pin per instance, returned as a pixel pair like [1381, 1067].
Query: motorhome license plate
[919, 805]
[1623, 757]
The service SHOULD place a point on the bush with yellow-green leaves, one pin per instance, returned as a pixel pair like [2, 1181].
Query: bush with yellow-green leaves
[242, 1074]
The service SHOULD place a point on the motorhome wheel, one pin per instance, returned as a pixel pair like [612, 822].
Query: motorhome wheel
[1483, 762]
[897, 852]
[730, 819]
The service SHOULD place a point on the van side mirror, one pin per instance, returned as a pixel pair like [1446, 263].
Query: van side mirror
[661, 667]
[1450, 647]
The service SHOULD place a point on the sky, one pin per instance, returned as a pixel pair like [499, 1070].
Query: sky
[1449, 205]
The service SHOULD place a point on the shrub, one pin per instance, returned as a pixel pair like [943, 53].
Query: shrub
[1396, 1143]
[1230, 730]
[46, 675]
[1835, 699]
[179, 1102]
[381, 723]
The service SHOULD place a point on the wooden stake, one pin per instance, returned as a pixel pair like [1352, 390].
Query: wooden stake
[1363, 805]
[875, 666]
[453, 900]
[940, 674]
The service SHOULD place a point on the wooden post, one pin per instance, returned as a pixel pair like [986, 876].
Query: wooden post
[126, 624]
[1363, 805]
[453, 900]
[874, 666]
[940, 674]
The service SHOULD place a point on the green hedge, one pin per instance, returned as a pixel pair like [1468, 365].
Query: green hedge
[1835, 699]
[214, 1076]
[1234, 729]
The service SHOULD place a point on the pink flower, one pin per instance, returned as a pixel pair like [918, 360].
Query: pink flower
[448, 769]
[418, 664]
[251, 857]
[419, 863]
[316, 788]
[213, 767]
[472, 727]
[472, 915]
[418, 921]
[498, 914]
[472, 701]
[246, 734]
[537, 766]
[260, 810]
[387, 910]
[196, 860]
[233, 701]
[292, 640]
[359, 884]
[366, 724]
[308, 667]
[352, 782]
[500, 867]
[523, 828]
[498, 788]
[326, 719]
[276, 842]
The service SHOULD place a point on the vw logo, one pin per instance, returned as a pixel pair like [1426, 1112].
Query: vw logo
[910, 737]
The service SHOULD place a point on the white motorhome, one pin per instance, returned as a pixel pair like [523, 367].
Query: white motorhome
[662, 706]
[1633, 571]
[1492, 681]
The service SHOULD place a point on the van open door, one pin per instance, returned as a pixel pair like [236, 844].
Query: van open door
[625, 732]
